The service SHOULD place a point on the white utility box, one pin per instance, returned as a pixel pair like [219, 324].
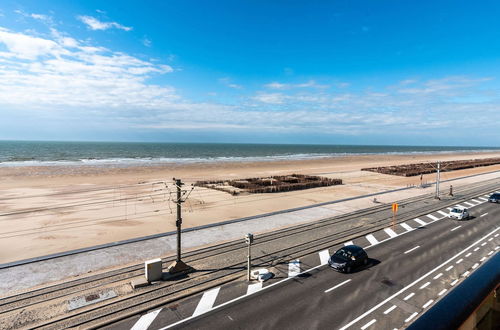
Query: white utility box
[153, 271]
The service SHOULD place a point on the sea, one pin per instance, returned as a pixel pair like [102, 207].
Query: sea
[45, 153]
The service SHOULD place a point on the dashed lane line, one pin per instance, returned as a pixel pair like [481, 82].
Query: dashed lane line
[424, 285]
[442, 292]
[438, 276]
[448, 268]
[390, 232]
[411, 317]
[412, 249]
[206, 302]
[482, 259]
[252, 288]
[456, 228]
[490, 253]
[483, 215]
[372, 239]
[490, 239]
[145, 321]
[454, 282]
[476, 249]
[468, 254]
[483, 244]
[416, 281]
[460, 260]
[368, 324]
[338, 285]
[427, 304]
[390, 309]
[409, 296]
[324, 256]
[466, 274]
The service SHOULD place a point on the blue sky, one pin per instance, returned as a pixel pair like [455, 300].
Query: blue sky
[336, 72]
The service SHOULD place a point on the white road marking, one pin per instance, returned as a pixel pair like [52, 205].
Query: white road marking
[368, 324]
[482, 215]
[496, 235]
[482, 259]
[390, 232]
[483, 244]
[430, 216]
[466, 274]
[411, 317]
[324, 256]
[409, 296]
[448, 268]
[438, 276]
[497, 247]
[460, 260]
[427, 304]
[390, 309]
[206, 302]
[476, 249]
[338, 285]
[468, 254]
[252, 288]
[416, 247]
[443, 213]
[469, 204]
[420, 221]
[145, 321]
[372, 239]
[490, 253]
[293, 268]
[454, 282]
[442, 292]
[490, 239]
[406, 226]
[483, 199]
[456, 228]
[348, 243]
[461, 206]
[425, 285]
[362, 315]
[476, 201]
[475, 265]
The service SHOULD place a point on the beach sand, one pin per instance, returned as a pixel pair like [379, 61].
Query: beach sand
[50, 209]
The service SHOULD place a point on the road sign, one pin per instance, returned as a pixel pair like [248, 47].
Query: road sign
[395, 207]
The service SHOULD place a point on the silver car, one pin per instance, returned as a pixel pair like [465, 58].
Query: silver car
[459, 213]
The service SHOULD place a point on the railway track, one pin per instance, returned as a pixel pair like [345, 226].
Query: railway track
[284, 248]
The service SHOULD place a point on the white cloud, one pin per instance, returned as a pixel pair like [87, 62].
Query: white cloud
[228, 82]
[308, 84]
[94, 24]
[146, 42]
[271, 98]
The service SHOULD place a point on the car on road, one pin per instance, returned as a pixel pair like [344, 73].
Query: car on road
[347, 258]
[494, 198]
[459, 213]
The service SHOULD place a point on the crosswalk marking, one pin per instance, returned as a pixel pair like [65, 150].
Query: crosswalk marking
[348, 243]
[293, 268]
[206, 302]
[406, 226]
[423, 223]
[461, 206]
[430, 216]
[145, 321]
[483, 199]
[469, 204]
[324, 256]
[443, 213]
[476, 201]
[390, 232]
[371, 239]
[252, 288]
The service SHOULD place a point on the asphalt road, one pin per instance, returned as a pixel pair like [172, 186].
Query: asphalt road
[405, 277]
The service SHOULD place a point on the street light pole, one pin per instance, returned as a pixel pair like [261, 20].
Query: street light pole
[438, 178]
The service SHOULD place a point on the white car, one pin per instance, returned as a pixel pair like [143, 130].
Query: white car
[459, 213]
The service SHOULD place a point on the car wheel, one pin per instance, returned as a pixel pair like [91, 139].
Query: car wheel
[348, 269]
[365, 262]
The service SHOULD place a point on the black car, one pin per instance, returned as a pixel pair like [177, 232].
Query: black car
[348, 258]
[494, 198]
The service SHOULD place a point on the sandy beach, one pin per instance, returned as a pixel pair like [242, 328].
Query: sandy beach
[50, 209]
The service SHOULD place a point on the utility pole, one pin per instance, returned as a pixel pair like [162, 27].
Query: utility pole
[438, 178]
[249, 241]
[178, 265]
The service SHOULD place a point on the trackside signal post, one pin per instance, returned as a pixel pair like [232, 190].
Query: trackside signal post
[249, 241]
